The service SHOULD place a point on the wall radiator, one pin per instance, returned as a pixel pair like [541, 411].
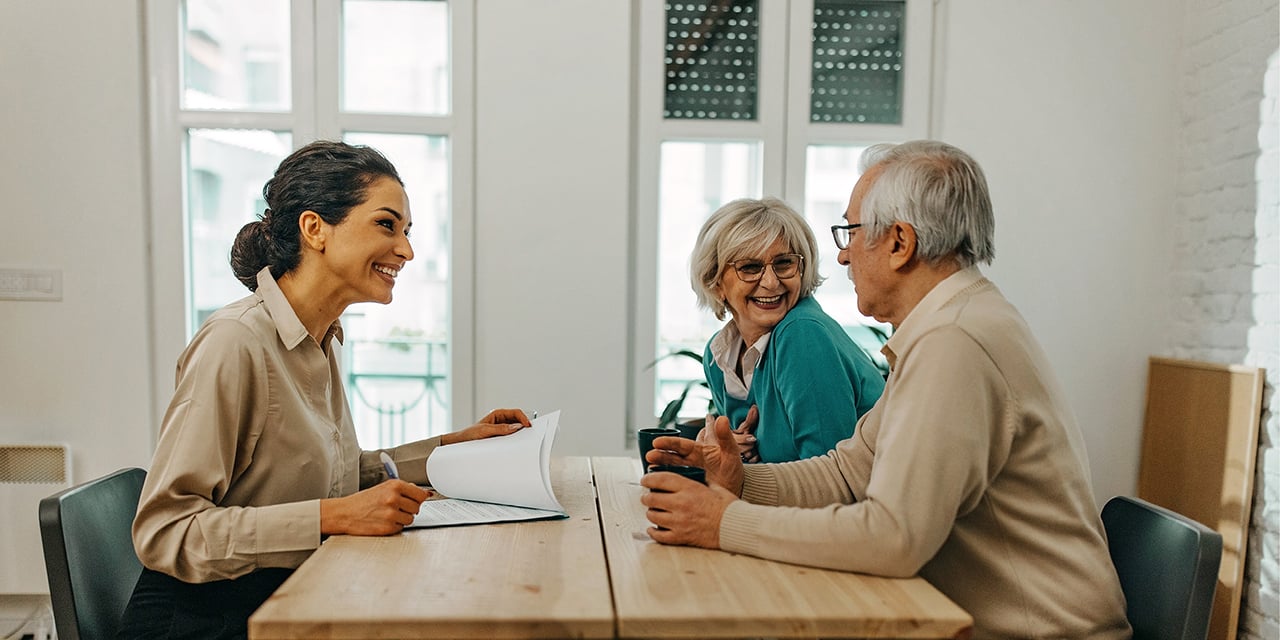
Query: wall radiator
[28, 472]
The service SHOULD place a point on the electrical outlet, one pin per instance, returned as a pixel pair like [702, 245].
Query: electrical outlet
[30, 284]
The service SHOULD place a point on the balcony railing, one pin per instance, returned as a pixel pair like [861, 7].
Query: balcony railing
[399, 389]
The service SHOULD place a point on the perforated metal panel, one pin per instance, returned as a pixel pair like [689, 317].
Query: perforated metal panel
[27, 464]
[857, 61]
[711, 60]
[28, 472]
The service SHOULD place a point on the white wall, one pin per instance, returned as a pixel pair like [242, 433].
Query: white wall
[74, 371]
[1071, 109]
[1070, 106]
[552, 162]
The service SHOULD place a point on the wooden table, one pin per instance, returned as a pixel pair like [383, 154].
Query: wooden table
[543, 579]
[551, 580]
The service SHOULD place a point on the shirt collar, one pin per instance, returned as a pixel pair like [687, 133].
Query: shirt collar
[937, 298]
[288, 326]
[726, 343]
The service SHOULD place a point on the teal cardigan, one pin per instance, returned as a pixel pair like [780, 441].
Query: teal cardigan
[810, 386]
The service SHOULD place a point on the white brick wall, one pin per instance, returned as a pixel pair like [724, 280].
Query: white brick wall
[1261, 615]
[1226, 280]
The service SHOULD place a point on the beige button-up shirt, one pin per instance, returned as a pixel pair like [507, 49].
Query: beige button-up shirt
[258, 431]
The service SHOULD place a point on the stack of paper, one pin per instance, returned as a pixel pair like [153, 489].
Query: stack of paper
[499, 479]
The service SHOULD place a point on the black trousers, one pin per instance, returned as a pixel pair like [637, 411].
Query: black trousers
[164, 607]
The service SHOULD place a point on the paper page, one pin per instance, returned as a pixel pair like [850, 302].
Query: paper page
[510, 470]
[447, 512]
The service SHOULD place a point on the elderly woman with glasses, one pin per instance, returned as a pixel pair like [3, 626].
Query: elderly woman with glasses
[780, 354]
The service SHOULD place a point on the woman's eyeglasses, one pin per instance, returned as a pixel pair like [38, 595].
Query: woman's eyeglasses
[842, 233]
[784, 266]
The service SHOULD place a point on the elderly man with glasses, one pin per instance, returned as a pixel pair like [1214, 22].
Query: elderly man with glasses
[970, 471]
[755, 260]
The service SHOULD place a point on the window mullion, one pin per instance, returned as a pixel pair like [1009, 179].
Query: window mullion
[315, 64]
[918, 83]
[799, 63]
[167, 275]
[398, 123]
[184, 120]
[649, 134]
[460, 125]
[772, 95]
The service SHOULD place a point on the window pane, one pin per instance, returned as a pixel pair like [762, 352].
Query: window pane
[711, 54]
[857, 61]
[226, 169]
[830, 173]
[395, 56]
[235, 55]
[696, 179]
[397, 356]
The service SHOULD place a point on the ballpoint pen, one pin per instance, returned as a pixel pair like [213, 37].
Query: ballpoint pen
[389, 465]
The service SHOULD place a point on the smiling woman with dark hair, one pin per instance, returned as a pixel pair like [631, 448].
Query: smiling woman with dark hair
[257, 458]
[756, 260]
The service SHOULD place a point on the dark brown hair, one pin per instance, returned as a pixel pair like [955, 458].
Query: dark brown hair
[329, 178]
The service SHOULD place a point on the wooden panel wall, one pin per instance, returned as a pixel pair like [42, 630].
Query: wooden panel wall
[1199, 447]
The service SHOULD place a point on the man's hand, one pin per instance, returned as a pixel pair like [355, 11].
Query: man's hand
[499, 422]
[380, 510]
[683, 510]
[719, 457]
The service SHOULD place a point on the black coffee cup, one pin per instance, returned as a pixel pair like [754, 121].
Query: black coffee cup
[690, 429]
[645, 438]
[692, 473]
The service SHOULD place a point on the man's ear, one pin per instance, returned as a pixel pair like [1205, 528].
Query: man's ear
[312, 230]
[902, 244]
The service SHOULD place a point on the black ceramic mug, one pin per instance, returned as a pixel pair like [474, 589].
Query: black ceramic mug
[692, 473]
[645, 438]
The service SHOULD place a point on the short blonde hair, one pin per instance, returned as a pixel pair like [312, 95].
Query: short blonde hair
[745, 228]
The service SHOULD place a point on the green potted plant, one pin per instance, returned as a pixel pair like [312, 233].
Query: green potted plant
[671, 412]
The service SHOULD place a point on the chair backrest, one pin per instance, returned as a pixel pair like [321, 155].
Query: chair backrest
[1168, 568]
[88, 553]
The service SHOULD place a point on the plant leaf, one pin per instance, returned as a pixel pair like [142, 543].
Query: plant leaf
[683, 352]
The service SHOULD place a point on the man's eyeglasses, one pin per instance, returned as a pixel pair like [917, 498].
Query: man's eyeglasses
[784, 266]
[842, 232]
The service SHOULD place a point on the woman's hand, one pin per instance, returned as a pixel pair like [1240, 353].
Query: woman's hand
[499, 422]
[380, 510]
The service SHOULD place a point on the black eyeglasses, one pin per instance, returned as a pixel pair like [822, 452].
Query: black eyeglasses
[784, 266]
[841, 234]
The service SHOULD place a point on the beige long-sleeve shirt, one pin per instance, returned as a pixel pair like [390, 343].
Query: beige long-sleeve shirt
[969, 471]
[258, 431]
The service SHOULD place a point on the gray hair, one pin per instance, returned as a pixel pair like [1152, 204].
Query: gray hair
[745, 228]
[937, 189]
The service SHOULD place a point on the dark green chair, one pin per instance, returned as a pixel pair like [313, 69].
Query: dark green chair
[88, 553]
[1168, 568]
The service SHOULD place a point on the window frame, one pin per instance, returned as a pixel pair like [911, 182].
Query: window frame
[315, 113]
[782, 128]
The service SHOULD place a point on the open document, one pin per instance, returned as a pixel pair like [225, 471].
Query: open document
[500, 479]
